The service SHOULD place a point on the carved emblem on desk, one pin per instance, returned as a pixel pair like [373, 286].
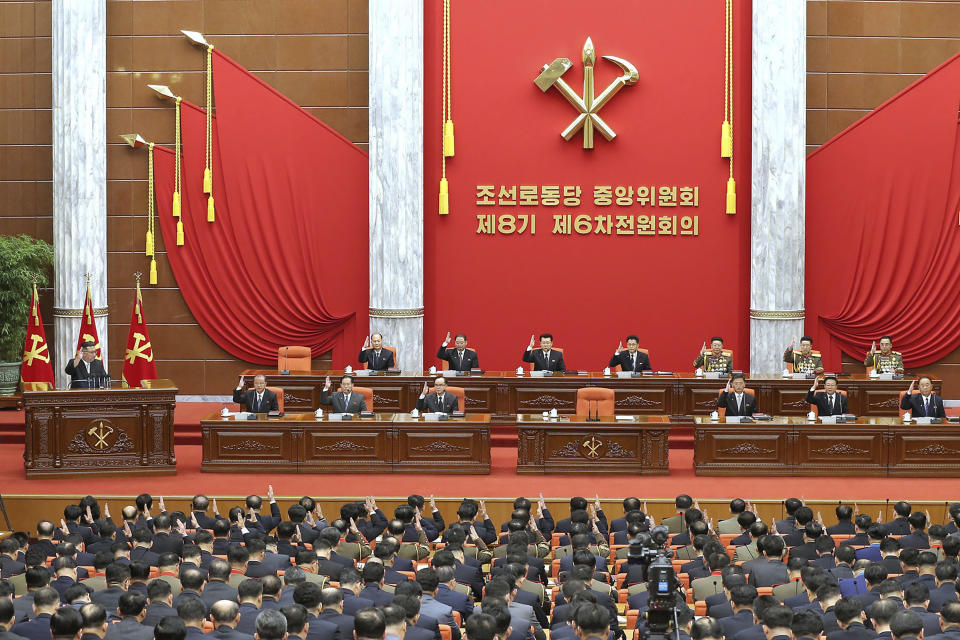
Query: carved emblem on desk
[839, 449]
[744, 448]
[614, 450]
[100, 437]
[250, 445]
[383, 401]
[886, 404]
[796, 404]
[569, 450]
[343, 446]
[933, 450]
[439, 446]
[546, 400]
[289, 398]
[636, 401]
[471, 402]
[592, 446]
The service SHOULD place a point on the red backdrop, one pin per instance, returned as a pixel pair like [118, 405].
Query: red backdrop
[883, 240]
[589, 291]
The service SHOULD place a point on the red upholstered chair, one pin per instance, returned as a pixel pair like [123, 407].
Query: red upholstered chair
[789, 365]
[367, 393]
[595, 401]
[899, 401]
[279, 392]
[392, 350]
[619, 368]
[816, 409]
[293, 358]
[457, 391]
[723, 410]
[560, 349]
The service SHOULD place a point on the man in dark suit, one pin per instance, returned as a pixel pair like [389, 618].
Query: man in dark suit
[808, 550]
[344, 401]
[917, 538]
[163, 540]
[923, 404]
[741, 599]
[850, 617]
[460, 358]
[256, 400]
[735, 400]
[440, 401]
[631, 359]
[916, 597]
[217, 587]
[844, 521]
[9, 565]
[132, 607]
[86, 369]
[945, 591]
[225, 616]
[899, 526]
[949, 622]
[829, 403]
[373, 574]
[374, 355]
[160, 603]
[546, 358]
[45, 603]
[773, 571]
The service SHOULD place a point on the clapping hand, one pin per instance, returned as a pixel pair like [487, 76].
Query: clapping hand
[89, 515]
[216, 511]
[241, 382]
[63, 527]
[433, 503]
[270, 497]
[483, 510]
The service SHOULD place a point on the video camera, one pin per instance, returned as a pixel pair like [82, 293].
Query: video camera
[663, 588]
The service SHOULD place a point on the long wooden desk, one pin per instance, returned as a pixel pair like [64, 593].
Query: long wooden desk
[384, 443]
[572, 444]
[504, 394]
[100, 431]
[794, 446]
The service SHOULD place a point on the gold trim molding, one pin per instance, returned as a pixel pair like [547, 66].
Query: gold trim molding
[76, 313]
[777, 315]
[396, 313]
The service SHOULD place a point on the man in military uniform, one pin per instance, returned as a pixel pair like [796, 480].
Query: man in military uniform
[715, 359]
[803, 361]
[886, 360]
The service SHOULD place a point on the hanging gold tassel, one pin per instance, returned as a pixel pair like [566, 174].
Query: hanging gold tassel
[149, 243]
[207, 181]
[176, 204]
[179, 233]
[210, 212]
[444, 197]
[448, 138]
[153, 271]
[208, 161]
[726, 140]
[731, 196]
[151, 212]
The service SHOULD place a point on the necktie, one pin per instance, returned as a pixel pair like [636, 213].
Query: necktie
[633, 362]
[546, 359]
[460, 352]
[926, 406]
[440, 401]
[739, 403]
[346, 401]
[830, 397]
[259, 398]
[375, 355]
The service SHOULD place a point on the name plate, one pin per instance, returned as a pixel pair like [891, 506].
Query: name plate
[801, 376]
[828, 419]
[446, 373]
[736, 419]
[539, 374]
[362, 372]
[714, 375]
[625, 418]
[431, 416]
[886, 376]
[336, 417]
[924, 419]
[624, 374]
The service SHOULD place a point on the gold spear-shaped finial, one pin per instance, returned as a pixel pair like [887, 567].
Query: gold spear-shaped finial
[589, 57]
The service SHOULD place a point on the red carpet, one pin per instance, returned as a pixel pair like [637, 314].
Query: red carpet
[503, 482]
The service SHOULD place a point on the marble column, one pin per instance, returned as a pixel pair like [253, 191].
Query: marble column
[777, 181]
[396, 176]
[79, 30]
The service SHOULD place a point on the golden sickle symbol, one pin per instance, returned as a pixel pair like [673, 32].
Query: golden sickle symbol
[36, 352]
[589, 105]
[139, 349]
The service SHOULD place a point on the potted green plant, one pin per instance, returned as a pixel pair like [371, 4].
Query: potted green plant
[22, 260]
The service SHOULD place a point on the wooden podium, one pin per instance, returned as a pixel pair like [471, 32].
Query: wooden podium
[100, 431]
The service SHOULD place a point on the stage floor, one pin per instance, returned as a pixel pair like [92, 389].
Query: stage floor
[503, 482]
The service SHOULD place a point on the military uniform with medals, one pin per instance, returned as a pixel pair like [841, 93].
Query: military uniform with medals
[801, 363]
[892, 363]
[709, 362]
